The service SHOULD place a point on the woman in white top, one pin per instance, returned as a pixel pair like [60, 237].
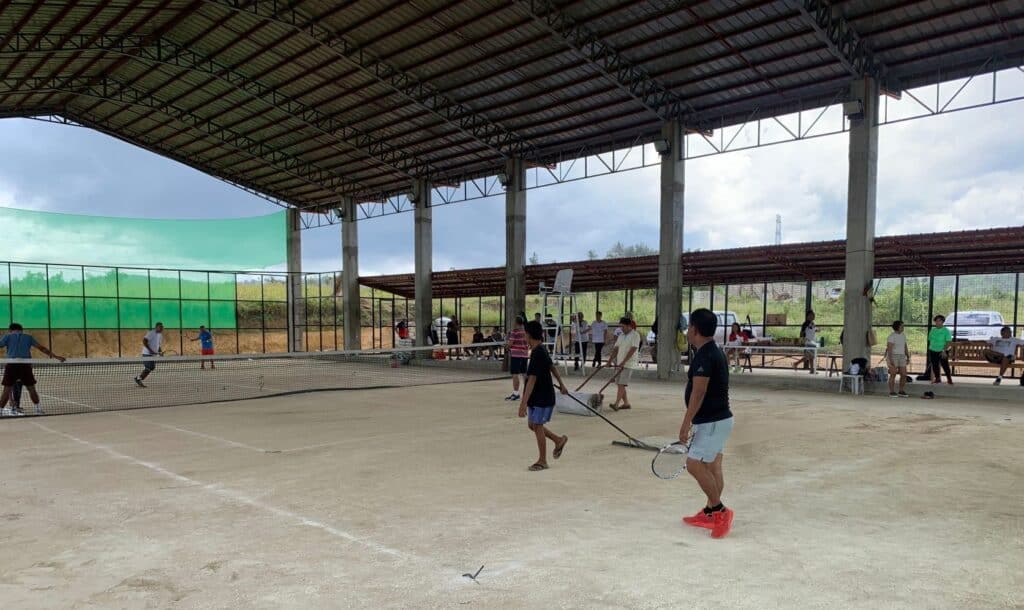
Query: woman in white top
[809, 335]
[897, 354]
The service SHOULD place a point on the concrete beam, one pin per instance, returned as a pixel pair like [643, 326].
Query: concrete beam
[670, 269]
[296, 304]
[860, 221]
[351, 310]
[515, 241]
[424, 251]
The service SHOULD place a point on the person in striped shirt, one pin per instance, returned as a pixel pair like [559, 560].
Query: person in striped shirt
[518, 352]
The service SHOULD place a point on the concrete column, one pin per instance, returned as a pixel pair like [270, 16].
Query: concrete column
[296, 305]
[351, 311]
[860, 221]
[670, 267]
[515, 241]
[424, 252]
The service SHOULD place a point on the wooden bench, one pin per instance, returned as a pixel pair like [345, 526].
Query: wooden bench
[972, 353]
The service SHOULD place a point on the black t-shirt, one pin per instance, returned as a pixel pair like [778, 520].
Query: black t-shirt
[543, 394]
[710, 362]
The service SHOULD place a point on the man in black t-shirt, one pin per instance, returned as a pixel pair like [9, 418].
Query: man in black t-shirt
[709, 417]
[539, 396]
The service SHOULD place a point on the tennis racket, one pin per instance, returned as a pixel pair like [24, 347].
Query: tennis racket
[670, 461]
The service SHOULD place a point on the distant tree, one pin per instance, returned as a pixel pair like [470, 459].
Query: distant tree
[534, 260]
[591, 255]
[622, 251]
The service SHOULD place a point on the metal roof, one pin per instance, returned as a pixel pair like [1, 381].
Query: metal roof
[311, 100]
[934, 254]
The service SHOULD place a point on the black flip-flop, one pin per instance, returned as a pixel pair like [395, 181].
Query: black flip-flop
[557, 453]
[538, 467]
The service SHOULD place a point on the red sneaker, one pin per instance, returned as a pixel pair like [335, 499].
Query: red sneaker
[722, 523]
[701, 519]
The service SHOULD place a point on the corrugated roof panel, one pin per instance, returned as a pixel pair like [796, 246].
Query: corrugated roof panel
[501, 64]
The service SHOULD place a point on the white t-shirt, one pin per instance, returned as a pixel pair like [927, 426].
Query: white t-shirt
[899, 344]
[810, 335]
[624, 343]
[1006, 347]
[598, 330]
[582, 334]
[155, 341]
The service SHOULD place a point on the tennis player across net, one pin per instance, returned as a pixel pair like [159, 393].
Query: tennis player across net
[88, 385]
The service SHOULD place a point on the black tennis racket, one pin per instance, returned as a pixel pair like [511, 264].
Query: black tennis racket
[670, 461]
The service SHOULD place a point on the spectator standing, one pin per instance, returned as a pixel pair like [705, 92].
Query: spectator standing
[939, 340]
[452, 338]
[598, 331]
[897, 354]
[581, 332]
[809, 337]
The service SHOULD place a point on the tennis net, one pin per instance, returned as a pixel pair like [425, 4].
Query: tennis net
[89, 385]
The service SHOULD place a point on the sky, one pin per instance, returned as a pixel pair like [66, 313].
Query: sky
[963, 170]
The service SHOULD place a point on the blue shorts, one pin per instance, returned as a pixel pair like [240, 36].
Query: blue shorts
[149, 365]
[540, 415]
[517, 366]
[709, 440]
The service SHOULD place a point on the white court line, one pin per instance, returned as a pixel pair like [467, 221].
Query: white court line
[237, 497]
[224, 441]
[211, 437]
[71, 402]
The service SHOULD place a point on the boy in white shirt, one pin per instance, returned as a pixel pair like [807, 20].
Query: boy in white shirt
[625, 356]
[897, 354]
[1003, 352]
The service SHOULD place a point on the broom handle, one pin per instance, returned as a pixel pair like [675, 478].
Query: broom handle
[638, 443]
[614, 377]
[589, 377]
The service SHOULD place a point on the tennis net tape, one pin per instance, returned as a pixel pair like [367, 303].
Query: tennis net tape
[89, 385]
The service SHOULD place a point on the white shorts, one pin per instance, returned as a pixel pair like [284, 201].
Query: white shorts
[624, 376]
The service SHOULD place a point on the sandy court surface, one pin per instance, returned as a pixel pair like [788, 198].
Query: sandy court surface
[384, 498]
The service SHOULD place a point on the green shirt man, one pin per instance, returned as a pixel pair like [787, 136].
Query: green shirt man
[939, 338]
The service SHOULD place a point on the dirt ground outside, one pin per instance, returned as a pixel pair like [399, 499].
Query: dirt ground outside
[385, 498]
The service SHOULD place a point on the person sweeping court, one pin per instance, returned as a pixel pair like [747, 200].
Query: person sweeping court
[18, 345]
[625, 355]
[538, 401]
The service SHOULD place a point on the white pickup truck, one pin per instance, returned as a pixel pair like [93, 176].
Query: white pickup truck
[974, 325]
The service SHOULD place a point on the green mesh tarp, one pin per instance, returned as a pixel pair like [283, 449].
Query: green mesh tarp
[219, 244]
[64, 286]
